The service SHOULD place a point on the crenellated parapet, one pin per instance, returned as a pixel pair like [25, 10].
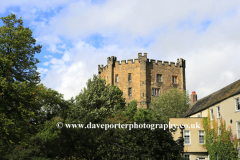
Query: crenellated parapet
[113, 61]
[180, 63]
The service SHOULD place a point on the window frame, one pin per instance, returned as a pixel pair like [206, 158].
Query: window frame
[219, 131]
[184, 132]
[155, 91]
[201, 135]
[160, 76]
[237, 106]
[238, 129]
[129, 77]
[130, 91]
[187, 154]
[218, 112]
[173, 80]
[211, 114]
[116, 78]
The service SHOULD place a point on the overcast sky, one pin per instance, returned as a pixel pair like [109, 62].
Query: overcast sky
[77, 35]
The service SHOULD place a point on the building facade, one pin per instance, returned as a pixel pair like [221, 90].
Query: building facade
[142, 79]
[220, 104]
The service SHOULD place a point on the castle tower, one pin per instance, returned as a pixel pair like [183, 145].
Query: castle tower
[142, 79]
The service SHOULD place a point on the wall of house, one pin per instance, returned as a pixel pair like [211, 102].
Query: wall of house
[196, 155]
[144, 76]
[194, 125]
[227, 111]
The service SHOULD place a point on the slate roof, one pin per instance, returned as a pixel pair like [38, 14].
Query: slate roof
[214, 98]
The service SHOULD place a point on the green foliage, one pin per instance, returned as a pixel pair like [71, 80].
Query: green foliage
[17, 51]
[140, 143]
[223, 146]
[30, 112]
[23, 101]
[96, 102]
[18, 79]
[172, 104]
[50, 131]
[103, 104]
[52, 104]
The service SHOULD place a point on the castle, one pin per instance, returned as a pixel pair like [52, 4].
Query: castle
[142, 79]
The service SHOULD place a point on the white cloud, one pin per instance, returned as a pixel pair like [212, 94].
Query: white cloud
[42, 71]
[168, 29]
[48, 56]
[46, 63]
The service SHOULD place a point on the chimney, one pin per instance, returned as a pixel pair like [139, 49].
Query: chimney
[193, 97]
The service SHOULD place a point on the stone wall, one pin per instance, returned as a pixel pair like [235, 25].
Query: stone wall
[143, 77]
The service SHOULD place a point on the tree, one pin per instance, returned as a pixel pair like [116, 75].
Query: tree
[96, 101]
[223, 146]
[41, 133]
[138, 143]
[17, 50]
[100, 104]
[18, 79]
[172, 104]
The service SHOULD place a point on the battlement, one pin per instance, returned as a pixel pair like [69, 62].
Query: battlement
[101, 68]
[113, 61]
[180, 63]
[140, 55]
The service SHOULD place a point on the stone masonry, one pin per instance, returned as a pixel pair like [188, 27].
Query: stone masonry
[142, 79]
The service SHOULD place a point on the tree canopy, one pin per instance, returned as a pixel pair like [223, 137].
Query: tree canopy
[30, 112]
[18, 79]
[171, 104]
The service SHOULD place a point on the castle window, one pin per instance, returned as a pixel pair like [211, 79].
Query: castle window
[159, 78]
[116, 78]
[155, 91]
[129, 77]
[129, 91]
[174, 79]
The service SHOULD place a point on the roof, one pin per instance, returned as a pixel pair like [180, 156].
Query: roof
[214, 98]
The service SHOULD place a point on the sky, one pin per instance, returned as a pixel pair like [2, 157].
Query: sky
[78, 35]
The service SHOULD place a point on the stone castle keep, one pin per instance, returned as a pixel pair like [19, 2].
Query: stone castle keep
[142, 79]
